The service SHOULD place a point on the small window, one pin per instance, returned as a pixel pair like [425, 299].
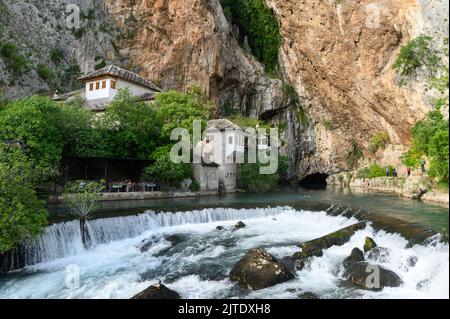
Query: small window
[104, 85]
[91, 87]
[97, 85]
[230, 140]
[113, 85]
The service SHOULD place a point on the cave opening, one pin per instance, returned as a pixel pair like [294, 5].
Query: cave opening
[314, 181]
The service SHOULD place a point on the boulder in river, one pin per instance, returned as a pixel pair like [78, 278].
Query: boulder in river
[369, 244]
[258, 270]
[356, 256]
[220, 228]
[338, 238]
[371, 277]
[239, 225]
[158, 291]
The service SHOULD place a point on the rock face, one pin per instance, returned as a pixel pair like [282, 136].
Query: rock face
[38, 29]
[337, 55]
[157, 292]
[258, 270]
[181, 43]
[315, 247]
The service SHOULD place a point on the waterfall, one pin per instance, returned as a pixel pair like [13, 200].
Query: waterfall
[64, 239]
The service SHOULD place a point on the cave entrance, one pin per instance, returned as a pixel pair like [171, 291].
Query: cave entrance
[315, 181]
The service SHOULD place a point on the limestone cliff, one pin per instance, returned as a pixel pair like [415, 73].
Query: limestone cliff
[337, 55]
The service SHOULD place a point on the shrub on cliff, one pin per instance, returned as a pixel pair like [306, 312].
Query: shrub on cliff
[257, 26]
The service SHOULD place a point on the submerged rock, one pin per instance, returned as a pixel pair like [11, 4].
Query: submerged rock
[369, 244]
[258, 270]
[220, 228]
[174, 239]
[158, 291]
[338, 238]
[308, 295]
[356, 256]
[412, 261]
[362, 275]
[239, 225]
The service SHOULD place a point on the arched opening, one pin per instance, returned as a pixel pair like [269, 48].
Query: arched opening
[314, 181]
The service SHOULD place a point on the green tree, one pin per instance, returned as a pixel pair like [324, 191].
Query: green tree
[165, 170]
[431, 139]
[179, 110]
[82, 198]
[134, 126]
[22, 214]
[34, 121]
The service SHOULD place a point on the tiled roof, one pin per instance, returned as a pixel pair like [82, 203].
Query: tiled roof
[222, 125]
[113, 70]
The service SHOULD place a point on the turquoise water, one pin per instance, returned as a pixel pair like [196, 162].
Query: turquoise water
[426, 214]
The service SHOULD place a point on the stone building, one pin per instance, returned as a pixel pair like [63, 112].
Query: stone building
[221, 150]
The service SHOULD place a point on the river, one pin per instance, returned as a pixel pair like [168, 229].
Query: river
[198, 263]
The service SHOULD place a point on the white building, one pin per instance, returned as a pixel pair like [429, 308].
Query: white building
[101, 86]
[223, 148]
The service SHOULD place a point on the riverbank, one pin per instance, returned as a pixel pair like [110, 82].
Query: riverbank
[108, 197]
[413, 187]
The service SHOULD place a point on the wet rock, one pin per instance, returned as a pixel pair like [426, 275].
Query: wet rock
[315, 247]
[174, 239]
[423, 284]
[362, 275]
[220, 228]
[158, 291]
[146, 244]
[239, 225]
[380, 254]
[369, 244]
[412, 261]
[258, 270]
[294, 264]
[308, 295]
[356, 256]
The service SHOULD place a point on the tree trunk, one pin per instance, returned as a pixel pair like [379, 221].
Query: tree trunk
[85, 238]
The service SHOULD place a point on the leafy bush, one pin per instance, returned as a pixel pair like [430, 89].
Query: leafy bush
[373, 171]
[354, 154]
[251, 180]
[165, 170]
[57, 56]
[379, 140]
[415, 54]
[175, 109]
[35, 122]
[431, 139]
[22, 214]
[13, 59]
[258, 25]
[44, 71]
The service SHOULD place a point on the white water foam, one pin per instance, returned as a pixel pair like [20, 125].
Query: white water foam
[198, 266]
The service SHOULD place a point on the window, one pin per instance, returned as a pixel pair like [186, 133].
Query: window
[91, 87]
[97, 85]
[113, 84]
[230, 140]
[104, 85]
